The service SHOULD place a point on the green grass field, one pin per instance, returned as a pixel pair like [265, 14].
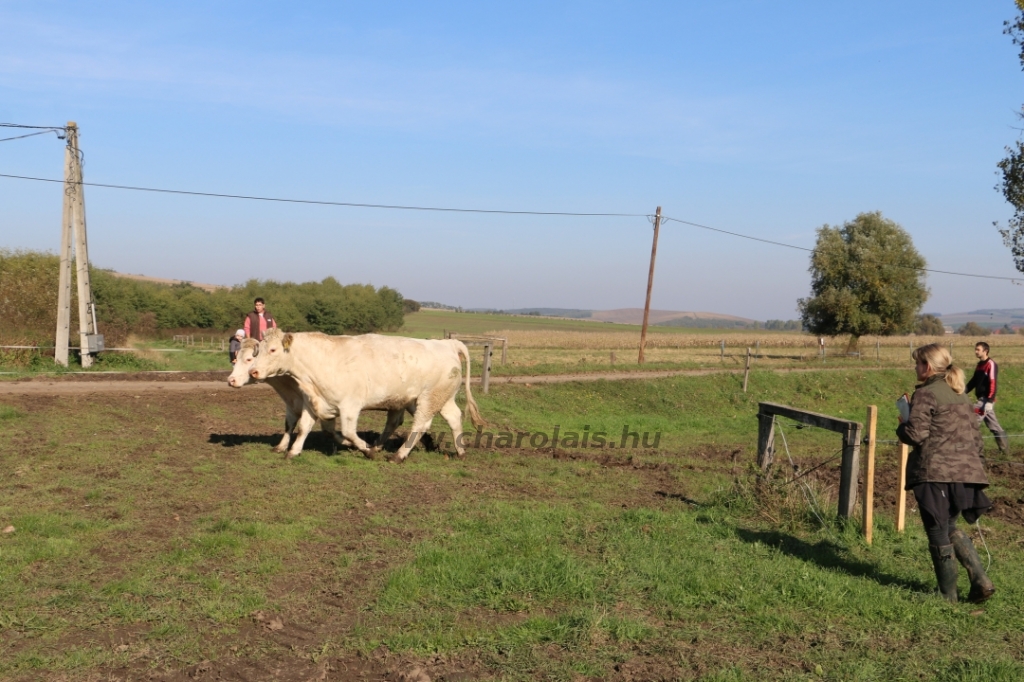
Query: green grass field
[540, 345]
[157, 535]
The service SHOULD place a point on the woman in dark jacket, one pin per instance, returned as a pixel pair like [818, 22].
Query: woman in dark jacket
[945, 470]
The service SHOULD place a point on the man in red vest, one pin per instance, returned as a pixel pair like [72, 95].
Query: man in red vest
[258, 321]
[983, 383]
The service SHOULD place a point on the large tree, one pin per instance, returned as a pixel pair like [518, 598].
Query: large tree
[866, 278]
[1012, 167]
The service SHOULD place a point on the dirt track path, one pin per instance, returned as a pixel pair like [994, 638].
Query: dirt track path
[181, 382]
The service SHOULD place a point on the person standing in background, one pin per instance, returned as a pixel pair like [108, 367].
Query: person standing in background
[235, 345]
[258, 321]
[983, 383]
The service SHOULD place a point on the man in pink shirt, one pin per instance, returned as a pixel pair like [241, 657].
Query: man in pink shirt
[258, 321]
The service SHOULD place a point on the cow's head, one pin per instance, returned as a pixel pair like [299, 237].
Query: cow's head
[272, 359]
[243, 363]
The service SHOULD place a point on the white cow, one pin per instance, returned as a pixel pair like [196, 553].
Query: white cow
[342, 375]
[295, 413]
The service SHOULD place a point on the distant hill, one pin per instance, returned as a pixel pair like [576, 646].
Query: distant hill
[671, 318]
[987, 317]
[574, 313]
[663, 318]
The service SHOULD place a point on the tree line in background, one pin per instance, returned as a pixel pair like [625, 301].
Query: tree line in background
[28, 304]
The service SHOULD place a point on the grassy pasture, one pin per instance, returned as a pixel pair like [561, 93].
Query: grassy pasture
[553, 346]
[156, 536]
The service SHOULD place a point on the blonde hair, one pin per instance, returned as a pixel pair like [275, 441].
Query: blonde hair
[938, 358]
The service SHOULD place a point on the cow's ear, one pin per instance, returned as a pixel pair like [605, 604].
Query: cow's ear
[286, 342]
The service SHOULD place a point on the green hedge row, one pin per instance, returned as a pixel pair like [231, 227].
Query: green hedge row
[28, 301]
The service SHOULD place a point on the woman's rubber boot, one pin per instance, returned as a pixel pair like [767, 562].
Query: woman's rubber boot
[946, 570]
[981, 587]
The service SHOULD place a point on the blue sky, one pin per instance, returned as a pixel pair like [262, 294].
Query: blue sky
[769, 119]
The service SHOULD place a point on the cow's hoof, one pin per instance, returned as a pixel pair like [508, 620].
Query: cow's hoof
[280, 450]
[290, 456]
[372, 454]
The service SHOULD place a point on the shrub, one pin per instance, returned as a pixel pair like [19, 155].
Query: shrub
[929, 325]
[29, 282]
[973, 329]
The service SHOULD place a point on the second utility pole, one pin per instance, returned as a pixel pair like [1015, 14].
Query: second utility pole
[650, 285]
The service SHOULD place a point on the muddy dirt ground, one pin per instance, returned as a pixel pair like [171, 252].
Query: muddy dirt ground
[283, 640]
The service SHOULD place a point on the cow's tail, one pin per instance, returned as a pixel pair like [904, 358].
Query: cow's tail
[471, 408]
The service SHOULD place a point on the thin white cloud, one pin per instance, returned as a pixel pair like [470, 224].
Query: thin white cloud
[541, 108]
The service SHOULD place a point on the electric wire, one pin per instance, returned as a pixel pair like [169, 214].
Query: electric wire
[444, 209]
[348, 204]
[21, 137]
[804, 248]
[20, 125]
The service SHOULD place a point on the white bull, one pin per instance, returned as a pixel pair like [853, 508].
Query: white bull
[295, 412]
[342, 375]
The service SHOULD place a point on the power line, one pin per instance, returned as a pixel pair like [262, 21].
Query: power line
[446, 209]
[61, 131]
[737, 234]
[19, 137]
[335, 203]
[804, 248]
[19, 125]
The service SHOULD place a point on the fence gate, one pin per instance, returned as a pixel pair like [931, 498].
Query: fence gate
[850, 430]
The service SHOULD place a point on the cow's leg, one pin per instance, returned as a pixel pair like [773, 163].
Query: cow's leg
[327, 426]
[420, 422]
[306, 423]
[292, 410]
[394, 420]
[453, 415]
[347, 421]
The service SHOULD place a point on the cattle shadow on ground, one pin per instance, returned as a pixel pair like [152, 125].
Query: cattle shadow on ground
[316, 442]
[319, 441]
[827, 554]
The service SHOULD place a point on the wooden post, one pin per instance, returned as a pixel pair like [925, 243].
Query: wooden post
[60, 353]
[878, 354]
[504, 350]
[765, 441]
[613, 357]
[757, 349]
[901, 499]
[650, 285]
[487, 367]
[849, 471]
[869, 476]
[723, 350]
[746, 371]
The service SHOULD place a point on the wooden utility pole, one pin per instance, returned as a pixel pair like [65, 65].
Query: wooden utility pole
[650, 285]
[73, 235]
